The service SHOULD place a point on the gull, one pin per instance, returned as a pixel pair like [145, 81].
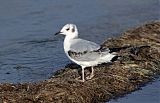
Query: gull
[82, 52]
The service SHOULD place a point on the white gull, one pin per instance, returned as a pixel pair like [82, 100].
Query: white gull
[82, 52]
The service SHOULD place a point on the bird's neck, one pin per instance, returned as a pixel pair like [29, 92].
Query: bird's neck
[67, 42]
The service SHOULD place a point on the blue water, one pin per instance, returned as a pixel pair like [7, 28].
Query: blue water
[30, 52]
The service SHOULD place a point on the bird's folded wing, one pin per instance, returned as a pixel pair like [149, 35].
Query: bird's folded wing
[85, 56]
[83, 50]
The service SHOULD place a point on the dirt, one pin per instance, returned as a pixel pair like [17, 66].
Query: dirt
[138, 64]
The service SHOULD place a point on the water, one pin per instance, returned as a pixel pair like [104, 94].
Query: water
[148, 94]
[30, 52]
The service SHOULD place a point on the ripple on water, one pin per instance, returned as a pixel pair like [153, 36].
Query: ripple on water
[23, 58]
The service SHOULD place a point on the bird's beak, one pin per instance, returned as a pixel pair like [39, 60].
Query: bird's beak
[57, 33]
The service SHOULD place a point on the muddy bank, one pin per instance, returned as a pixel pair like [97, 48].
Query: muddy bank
[139, 63]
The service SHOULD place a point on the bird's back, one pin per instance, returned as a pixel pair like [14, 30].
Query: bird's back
[81, 45]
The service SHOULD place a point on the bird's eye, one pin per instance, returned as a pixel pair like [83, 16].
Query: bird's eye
[67, 29]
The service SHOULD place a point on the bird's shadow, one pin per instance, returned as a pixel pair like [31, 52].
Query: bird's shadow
[87, 69]
[72, 66]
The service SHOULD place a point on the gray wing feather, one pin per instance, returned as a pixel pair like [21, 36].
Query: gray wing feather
[80, 45]
[87, 56]
[83, 50]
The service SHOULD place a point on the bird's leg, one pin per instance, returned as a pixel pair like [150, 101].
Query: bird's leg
[92, 73]
[82, 74]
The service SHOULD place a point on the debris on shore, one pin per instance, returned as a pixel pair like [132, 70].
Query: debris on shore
[139, 63]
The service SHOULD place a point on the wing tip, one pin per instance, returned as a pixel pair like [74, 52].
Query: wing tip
[114, 58]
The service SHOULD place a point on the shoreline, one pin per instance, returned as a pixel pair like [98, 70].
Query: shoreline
[138, 65]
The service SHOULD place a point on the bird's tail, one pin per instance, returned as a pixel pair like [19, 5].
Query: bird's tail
[107, 57]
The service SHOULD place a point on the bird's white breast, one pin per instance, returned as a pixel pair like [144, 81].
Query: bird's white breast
[67, 44]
